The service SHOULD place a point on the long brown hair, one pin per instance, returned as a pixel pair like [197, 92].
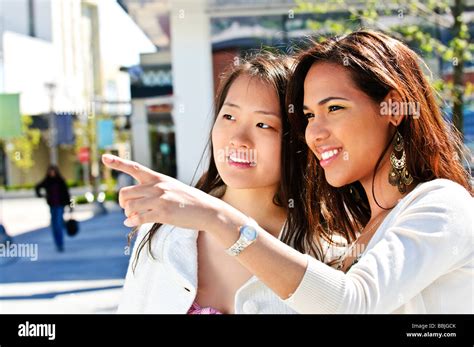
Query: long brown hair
[377, 64]
[275, 70]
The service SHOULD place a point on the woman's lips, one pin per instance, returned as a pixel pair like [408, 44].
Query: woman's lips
[240, 163]
[328, 156]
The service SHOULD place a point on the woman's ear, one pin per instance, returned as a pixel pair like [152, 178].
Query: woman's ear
[393, 107]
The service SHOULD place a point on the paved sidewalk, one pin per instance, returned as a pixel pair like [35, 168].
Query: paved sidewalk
[86, 278]
[20, 216]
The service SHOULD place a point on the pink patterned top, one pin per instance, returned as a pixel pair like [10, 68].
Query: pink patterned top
[196, 309]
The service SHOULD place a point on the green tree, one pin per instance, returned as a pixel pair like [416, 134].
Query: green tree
[419, 24]
[20, 150]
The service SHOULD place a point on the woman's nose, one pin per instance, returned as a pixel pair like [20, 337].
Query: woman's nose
[241, 139]
[316, 131]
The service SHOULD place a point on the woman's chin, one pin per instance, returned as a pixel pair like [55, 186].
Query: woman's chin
[336, 181]
[235, 184]
[242, 182]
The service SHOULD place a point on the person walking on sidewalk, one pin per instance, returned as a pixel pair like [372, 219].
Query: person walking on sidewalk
[57, 196]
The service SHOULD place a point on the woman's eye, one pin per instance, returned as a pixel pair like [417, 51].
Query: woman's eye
[228, 117]
[334, 108]
[309, 115]
[263, 126]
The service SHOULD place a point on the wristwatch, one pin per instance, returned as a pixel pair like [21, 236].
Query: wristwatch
[248, 235]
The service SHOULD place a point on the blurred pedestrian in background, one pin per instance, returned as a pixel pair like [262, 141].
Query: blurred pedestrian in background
[57, 196]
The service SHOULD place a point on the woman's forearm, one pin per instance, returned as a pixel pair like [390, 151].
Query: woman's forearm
[169, 201]
[276, 264]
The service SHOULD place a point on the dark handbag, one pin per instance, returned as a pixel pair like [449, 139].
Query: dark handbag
[4, 238]
[72, 226]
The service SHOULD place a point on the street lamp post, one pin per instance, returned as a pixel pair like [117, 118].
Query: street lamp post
[99, 208]
[53, 149]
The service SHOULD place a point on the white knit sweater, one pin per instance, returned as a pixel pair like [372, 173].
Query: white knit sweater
[420, 260]
[168, 283]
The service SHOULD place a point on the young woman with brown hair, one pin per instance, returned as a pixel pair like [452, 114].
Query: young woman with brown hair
[413, 222]
[252, 158]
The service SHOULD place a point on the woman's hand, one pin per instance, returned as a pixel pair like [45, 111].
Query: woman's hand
[161, 199]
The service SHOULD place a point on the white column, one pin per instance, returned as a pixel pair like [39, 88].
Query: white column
[2, 78]
[140, 135]
[191, 54]
[2, 73]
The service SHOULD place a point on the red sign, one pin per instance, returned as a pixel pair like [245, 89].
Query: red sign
[84, 155]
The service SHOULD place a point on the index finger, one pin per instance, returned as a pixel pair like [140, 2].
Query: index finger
[141, 173]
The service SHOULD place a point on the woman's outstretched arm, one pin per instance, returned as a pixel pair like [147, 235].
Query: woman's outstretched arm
[159, 198]
[431, 237]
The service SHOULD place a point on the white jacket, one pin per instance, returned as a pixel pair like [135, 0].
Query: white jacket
[420, 260]
[168, 283]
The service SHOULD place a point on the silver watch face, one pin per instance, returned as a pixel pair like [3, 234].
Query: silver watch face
[249, 232]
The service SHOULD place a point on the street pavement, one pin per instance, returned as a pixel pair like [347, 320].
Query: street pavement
[22, 211]
[86, 278]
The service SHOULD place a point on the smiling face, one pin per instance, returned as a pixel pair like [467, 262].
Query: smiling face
[345, 129]
[247, 135]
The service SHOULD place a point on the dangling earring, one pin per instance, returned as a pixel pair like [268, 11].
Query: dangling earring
[399, 175]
